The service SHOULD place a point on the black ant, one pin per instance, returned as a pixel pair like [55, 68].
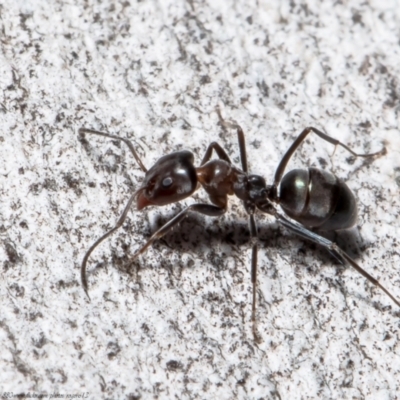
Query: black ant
[314, 199]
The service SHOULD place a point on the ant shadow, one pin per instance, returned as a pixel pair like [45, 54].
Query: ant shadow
[195, 236]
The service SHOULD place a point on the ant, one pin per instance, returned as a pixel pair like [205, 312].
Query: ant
[312, 198]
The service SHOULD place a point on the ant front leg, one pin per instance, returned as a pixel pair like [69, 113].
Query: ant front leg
[298, 141]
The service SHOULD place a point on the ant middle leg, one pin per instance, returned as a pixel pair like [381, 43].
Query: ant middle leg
[254, 259]
[252, 223]
[219, 150]
[241, 140]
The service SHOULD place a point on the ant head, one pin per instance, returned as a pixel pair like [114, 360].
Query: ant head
[171, 179]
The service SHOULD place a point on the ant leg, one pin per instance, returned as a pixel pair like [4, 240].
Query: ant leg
[242, 148]
[285, 159]
[82, 131]
[219, 150]
[254, 253]
[333, 248]
[242, 144]
[252, 223]
[206, 209]
[98, 241]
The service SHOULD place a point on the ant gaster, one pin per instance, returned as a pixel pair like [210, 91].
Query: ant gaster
[313, 199]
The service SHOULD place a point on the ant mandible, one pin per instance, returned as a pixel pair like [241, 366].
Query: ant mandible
[312, 198]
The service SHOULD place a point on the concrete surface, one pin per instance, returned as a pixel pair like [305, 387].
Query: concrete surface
[176, 323]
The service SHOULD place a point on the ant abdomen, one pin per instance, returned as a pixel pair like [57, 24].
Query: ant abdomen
[318, 199]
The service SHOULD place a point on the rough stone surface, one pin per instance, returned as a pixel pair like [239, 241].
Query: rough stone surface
[176, 323]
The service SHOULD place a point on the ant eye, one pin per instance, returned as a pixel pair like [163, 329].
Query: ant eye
[167, 182]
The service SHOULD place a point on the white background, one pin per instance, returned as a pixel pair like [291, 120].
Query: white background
[176, 323]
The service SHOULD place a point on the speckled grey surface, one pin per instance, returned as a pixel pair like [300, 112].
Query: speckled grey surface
[178, 326]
